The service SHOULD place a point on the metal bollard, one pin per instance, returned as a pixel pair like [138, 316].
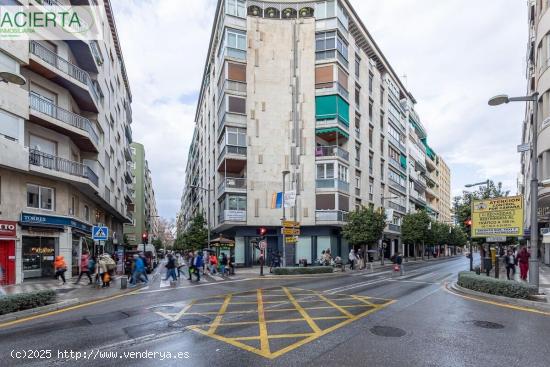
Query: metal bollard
[123, 283]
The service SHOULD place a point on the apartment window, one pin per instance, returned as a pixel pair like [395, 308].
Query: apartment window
[370, 110]
[382, 170]
[382, 141]
[236, 105]
[236, 136]
[343, 173]
[10, 125]
[381, 96]
[357, 96]
[8, 63]
[325, 171]
[236, 203]
[357, 154]
[236, 8]
[42, 145]
[40, 197]
[393, 154]
[371, 189]
[394, 133]
[395, 177]
[357, 124]
[357, 66]
[236, 72]
[381, 121]
[371, 81]
[325, 202]
[236, 39]
[371, 136]
[358, 179]
[74, 206]
[325, 9]
[371, 163]
[326, 45]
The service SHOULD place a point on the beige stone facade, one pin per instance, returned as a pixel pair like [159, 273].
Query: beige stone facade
[64, 147]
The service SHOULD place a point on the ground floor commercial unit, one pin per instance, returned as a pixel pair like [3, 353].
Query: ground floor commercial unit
[311, 244]
[49, 218]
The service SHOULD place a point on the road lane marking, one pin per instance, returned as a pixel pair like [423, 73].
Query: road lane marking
[494, 303]
[264, 342]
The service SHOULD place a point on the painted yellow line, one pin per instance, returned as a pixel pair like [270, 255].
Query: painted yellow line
[221, 312]
[339, 308]
[499, 304]
[264, 342]
[304, 314]
[70, 308]
[363, 299]
[232, 342]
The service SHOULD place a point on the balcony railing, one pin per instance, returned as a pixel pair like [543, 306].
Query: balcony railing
[232, 149]
[332, 122]
[397, 186]
[395, 164]
[396, 206]
[41, 159]
[394, 227]
[397, 143]
[46, 107]
[232, 183]
[231, 86]
[332, 87]
[331, 216]
[331, 151]
[59, 63]
[332, 183]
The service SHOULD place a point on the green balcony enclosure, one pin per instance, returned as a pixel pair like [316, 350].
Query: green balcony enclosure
[332, 107]
[403, 161]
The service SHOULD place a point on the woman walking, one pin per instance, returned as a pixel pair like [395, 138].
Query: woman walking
[523, 259]
[60, 268]
[352, 259]
[510, 261]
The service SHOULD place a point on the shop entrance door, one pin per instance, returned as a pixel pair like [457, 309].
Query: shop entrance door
[7, 262]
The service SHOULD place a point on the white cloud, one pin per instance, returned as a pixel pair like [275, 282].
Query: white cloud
[456, 54]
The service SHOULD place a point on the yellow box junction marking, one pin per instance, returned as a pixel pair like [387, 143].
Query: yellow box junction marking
[312, 310]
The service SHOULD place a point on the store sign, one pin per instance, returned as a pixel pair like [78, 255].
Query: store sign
[8, 228]
[42, 250]
[28, 219]
[498, 217]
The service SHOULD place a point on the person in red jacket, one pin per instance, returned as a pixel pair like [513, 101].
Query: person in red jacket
[523, 260]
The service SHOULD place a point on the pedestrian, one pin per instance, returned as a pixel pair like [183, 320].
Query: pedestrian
[213, 260]
[105, 265]
[60, 268]
[231, 264]
[523, 260]
[145, 265]
[328, 257]
[360, 258]
[510, 262]
[180, 263]
[223, 263]
[84, 262]
[351, 258]
[399, 262]
[190, 261]
[139, 270]
[198, 264]
[171, 268]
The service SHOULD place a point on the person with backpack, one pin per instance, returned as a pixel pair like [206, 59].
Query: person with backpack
[84, 267]
[60, 268]
[510, 261]
[171, 268]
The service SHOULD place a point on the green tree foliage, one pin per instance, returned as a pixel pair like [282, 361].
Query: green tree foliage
[196, 236]
[414, 228]
[364, 227]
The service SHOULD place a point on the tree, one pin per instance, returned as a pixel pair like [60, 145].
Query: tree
[166, 232]
[414, 229]
[196, 236]
[364, 227]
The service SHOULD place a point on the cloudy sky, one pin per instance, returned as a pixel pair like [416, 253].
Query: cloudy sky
[455, 55]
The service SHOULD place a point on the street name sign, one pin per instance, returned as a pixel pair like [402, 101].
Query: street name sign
[290, 231]
[290, 224]
[524, 147]
[100, 233]
[497, 217]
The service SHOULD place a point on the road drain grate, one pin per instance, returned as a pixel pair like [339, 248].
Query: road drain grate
[487, 324]
[388, 331]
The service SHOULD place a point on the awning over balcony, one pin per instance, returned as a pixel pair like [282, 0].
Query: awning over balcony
[332, 131]
[331, 107]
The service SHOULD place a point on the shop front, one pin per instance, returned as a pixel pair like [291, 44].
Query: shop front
[44, 237]
[8, 235]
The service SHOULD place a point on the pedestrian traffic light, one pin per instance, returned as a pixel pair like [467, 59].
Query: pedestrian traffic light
[144, 238]
[262, 231]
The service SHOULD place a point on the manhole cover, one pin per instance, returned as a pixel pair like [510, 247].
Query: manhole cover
[388, 331]
[487, 324]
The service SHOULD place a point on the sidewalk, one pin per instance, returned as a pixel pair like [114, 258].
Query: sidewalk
[388, 265]
[544, 275]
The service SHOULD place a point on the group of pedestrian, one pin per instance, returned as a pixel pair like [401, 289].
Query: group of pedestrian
[356, 259]
[512, 259]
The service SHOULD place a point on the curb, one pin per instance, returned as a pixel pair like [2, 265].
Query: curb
[507, 300]
[33, 312]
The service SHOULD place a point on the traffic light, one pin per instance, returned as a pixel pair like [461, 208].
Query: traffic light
[468, 222]
[262, 231]
[144, 238]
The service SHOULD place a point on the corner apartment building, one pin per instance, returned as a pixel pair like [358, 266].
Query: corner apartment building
[538, 81]
[64, 148]
[301, 86]
[145, 216]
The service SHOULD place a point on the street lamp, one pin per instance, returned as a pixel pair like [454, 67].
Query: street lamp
[208, 211]
[533, 260]
[7, 77]
[284, 173]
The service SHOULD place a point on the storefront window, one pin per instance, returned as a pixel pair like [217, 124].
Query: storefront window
[38, 256]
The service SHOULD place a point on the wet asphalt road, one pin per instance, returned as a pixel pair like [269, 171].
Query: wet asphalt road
[350, 319]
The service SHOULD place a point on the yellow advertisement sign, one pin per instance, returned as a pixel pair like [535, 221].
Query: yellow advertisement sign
[498, 217]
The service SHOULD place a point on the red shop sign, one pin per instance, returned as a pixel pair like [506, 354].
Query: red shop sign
[8, 228]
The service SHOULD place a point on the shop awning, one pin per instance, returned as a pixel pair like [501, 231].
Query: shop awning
[329, 130]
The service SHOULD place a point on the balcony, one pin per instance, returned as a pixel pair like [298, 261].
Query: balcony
[332, 183]
[233, 185]
[127, 153]
[232, 216]
[395, 164]
[78, 128]
[417, 198]
[331, 88]
[332, 130]
[400, 208]
[230, 119]
[331, 151]
[397, 186]
[233, 87]
[128, 177]
[65, 167]
[397, 144]
[232, 159]
[48, 64]
[394, 227]
[331, 216]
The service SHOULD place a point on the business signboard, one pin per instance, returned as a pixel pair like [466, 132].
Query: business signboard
[498, 217]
